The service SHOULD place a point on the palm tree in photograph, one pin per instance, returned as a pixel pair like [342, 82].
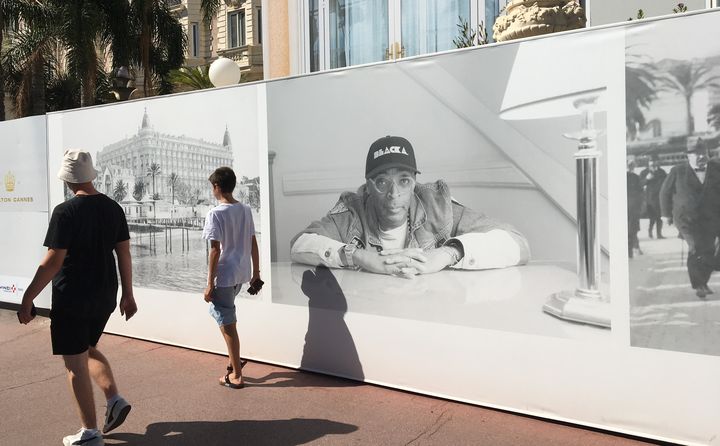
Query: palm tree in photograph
[641, 79]
[194, 199]
[153, 171]
[173, 182]
[714, 117]
[120, 191]
[138, 190]
[686, 78]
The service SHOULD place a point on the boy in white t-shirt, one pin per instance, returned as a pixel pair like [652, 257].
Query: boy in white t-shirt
[229, 227]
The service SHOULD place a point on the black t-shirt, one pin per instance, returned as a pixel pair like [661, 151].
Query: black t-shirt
[88, 226]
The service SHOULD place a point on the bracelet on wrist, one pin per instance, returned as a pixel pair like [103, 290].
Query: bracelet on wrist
[453, 253]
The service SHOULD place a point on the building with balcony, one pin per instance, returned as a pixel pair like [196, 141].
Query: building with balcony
[235, 32]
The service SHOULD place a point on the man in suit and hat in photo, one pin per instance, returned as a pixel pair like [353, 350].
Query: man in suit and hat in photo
[690, 198]
[634, 204]
[394, 225]
[652, 178]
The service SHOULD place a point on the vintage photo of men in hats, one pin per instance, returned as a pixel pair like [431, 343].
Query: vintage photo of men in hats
[673, 192]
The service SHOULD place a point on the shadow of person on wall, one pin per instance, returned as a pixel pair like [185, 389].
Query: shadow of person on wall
[290, 432]
[329, 346]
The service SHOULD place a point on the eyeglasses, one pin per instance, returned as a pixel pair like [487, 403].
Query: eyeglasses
[383, 185]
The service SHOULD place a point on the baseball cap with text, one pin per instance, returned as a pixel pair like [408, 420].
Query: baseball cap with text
[387, 152]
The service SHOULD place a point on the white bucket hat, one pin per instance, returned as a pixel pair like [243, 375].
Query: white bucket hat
[77, 167]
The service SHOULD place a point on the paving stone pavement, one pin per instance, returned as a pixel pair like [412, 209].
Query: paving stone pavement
[177, 401]
[665, 313]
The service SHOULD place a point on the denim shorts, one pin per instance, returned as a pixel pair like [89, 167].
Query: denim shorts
[222, 307]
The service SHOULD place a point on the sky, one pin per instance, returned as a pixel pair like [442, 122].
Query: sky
[201, 115]
[685, 38]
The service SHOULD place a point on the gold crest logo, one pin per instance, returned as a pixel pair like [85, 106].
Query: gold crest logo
[9, 181]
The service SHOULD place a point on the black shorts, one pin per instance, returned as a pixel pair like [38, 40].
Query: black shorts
[74, 335]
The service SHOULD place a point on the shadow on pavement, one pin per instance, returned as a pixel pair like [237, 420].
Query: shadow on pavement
[296, 379]
[290, 432]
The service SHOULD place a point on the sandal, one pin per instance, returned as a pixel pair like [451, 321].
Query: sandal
[230, 384]
[229, 368]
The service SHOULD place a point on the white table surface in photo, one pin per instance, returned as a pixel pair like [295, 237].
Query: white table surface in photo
[508, 299]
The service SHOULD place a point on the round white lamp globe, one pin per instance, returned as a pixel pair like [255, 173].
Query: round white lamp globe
[224, 72]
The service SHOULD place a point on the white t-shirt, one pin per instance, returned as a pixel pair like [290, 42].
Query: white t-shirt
[394, 238]
[232, 225]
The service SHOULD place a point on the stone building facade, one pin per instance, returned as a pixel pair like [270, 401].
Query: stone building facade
[235, 33]
[152, 157]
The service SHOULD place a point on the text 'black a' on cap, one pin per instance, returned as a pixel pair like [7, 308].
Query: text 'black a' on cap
[388, 152]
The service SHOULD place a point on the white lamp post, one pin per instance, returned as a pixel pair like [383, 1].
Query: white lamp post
[224, 72]
[539, 88]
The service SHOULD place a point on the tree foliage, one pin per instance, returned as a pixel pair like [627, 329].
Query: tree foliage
[56, 59]
[468, 36]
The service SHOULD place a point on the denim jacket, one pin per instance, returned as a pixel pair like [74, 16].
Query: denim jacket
[435, 219]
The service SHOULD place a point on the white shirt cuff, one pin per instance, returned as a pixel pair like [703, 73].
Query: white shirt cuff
[487, 250]
[314, 249]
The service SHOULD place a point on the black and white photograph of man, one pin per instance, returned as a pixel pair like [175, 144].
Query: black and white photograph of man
[652, 178]
[395, 225]
[690, 199]
[673, 134]
[417, 197]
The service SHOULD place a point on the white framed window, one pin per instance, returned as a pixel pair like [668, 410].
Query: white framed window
[195, 40]
[236, 29]
[341, 33]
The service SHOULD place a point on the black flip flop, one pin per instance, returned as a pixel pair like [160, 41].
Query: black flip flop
[229, 384]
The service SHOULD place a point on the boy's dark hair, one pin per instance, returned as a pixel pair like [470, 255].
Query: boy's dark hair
[225, 179]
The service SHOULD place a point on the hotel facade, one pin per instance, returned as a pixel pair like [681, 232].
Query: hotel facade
[168, 166]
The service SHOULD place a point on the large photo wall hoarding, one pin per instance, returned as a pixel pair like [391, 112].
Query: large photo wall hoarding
[23, 205]
[154, 157]
[496, 134]
[497, 129]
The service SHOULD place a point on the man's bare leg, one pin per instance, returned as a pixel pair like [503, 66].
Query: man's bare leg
[81, 386]
[232, 340]
[101, 373]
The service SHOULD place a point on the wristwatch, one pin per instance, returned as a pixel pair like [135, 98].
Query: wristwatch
[455, 249]
[346, 255]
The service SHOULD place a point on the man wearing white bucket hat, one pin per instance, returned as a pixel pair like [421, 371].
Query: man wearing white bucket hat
[82, 235]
